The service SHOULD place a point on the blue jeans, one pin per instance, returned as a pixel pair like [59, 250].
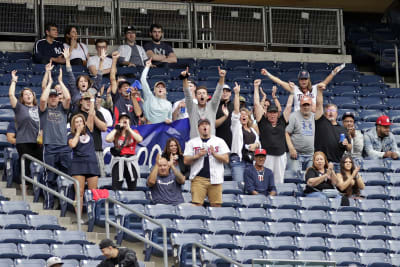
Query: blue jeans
[301, 163]
[237, 167]
[320, 195]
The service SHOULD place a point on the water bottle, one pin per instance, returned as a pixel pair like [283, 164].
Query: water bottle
[342, 137]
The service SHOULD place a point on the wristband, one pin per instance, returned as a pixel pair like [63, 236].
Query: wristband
[92, 100]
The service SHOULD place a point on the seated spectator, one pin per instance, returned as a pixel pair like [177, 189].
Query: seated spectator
[206, 154]
[161, 52]
[179, 110]
[205, 107]
[124, 162]
[79, 86]
[48, 49]
[356, 137]
[123, 96]
[94, 61]
[98, 127]
[272, 132]
[84, 166]
[115, 256]
[27, 123]
[305, 87]
[78, 51]
[131, 54]
[57, 153]
[380, 142]
[320, 178]
[244, 139]
[173, 150]
[165, 185]
[156, 107]
[257, 178]
[349, 181]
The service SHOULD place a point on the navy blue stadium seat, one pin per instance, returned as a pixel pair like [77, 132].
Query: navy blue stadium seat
[231, 187]
[392, 103]
[314, 216]
[287, 189]
[373, 231]
[93, 252]
[374, 259]
[313, 203]
[10, 250]
[280, 243]
[39, 236]
[6, 115]
[311, 243]
[374, 218]
[249, 242]
[223, 213]
[392, 92]
[375, 192]
[370, 115]
[182, 246]
[313, 230]
[393, 246]
[246, 256]
[68, 251]
[190, 226]
[15, 207]
[161, 211]
[372, 246]
[221, 227]
[89, 263]
[28, 262]
[342, 90]
[129, 220]
[344, 217]
[132, 197]
[251, 228]
[71, 237]
[343, 231]
[253, 201]
[372, 205]
[342, 244]
[11, 236]
[372, 102]
[374, 178]
[346, 102]
[192, 212]
[207, 257]
[282, 229]
[229, 200]
[371, 91]
[394, 218]
[13, 221]
[219, 241]
[393, 205]
[283, 202]
[43, 222]
[252, 214]
[370, 80]
[309, 255]
[35, 251]
[343, 258]
[283, 215]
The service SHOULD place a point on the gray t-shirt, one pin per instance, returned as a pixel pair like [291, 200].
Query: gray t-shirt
[135, 57]
[302, 132]
[54, 124]
[27, 123]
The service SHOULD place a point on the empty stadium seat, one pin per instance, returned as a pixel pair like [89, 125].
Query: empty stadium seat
[68, 251]
[342, 244]
[344, 217]
[373, 231]
[374, 259]
[223, 213]
[252, 228]
[29, 263]
[11, 236]
[43, 222]
[39, 236]
[249, 242]
[35, 251]
[343, 231]
[374, 218]
[129, 220]
[246, 256]
[13, 221]
[192, 212]
[343, 258]
[253, 201]
[71, 237]
[191, 226]
[93, 252]
[252, 214]
[283, 215]
[372, 246]
[282, 229]
[219, 241]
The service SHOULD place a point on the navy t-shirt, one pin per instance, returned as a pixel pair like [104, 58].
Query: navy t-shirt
[167, 190]
[159, 49]
[205, 171]
[121, 105]
[43, 50]
[85, 146]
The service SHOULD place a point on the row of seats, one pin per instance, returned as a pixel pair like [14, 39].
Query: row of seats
[43, 236]
[42, 262]
[37, 222]
[45, 251]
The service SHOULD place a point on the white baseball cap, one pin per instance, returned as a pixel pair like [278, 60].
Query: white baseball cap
[53, 260]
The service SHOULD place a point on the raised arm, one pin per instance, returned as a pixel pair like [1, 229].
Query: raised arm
[45, 95]
[152, 179]
[216, 98]
[186, 90]
[113, 72]
[319, 108]
[48, 68]
[258, 109]
[143, 80]
[11, 90]
[285, 85]
[329, 78]
[288, 108]
[91, 115]
[67, 97]
[276, 99]
[236, 99]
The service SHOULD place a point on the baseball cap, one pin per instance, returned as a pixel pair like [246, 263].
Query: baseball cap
[226, 87]
[383, 120]
[53, 260]
[203, 120]
[130, 28]
[306, 100]
[272, 108]
[160, 82]
[124, 114]
[53, 92]
[348, 114]
[303, 74]
[105, 243]
[122, 83]
[260, 151]
[86, 95]
[242, 99]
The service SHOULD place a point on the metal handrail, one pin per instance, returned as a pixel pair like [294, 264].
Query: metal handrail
[75, 203]
[273, 261]
[396, 65]
[222, 256]
[164, 248]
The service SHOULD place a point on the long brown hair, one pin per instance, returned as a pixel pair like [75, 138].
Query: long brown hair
[87, 78]
[21, 96]
[351, 189]
[309, 85]
[128, 137]
[73, 129]
[320, 153]
[167, 152]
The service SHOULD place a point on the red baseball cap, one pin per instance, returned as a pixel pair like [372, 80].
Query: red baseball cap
[383, 120]
[260, 151]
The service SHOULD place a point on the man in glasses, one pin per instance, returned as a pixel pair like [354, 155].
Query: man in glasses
[330, 137]
[94, 61]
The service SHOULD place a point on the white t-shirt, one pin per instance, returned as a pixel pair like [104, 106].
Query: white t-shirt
[298, 95]
[107, 116]
[185, 114]
[95, 61]
[80, 52]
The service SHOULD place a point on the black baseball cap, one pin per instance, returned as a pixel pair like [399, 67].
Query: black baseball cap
[105, 243]
[122, 83]
[130, 28]
[272, 108]
[348, 114]
[124, 114]
[53, 92]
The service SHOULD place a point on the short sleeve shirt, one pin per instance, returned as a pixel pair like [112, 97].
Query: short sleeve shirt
[27, 123]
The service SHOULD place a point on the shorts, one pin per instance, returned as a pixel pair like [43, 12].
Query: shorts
[202, 187]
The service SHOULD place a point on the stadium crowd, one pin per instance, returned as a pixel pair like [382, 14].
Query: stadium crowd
[258, 142]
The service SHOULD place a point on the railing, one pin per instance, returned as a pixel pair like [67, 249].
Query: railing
[268, 262]
[396, 65]
[109, 222]
[187, 24]
[76, 203]
[212, 251]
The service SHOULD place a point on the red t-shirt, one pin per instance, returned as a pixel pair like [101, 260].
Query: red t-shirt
[130, 146]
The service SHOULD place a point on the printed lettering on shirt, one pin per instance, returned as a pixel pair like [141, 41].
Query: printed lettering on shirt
[58, 50]
[34, 114]
[306, 128]
[159, 51]
[165, 183]
[129, 107]
[84, 139]
[301, 95]
[54, 116]
[261, 177]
